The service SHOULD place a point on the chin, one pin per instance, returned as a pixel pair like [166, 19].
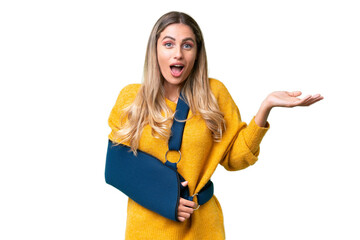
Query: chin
[174, 81]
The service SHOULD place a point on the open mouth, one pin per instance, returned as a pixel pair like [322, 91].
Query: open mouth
[176, 69]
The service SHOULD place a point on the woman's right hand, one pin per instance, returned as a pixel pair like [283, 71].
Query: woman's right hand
[186, 207]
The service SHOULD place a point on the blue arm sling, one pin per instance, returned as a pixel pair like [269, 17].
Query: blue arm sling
[149, 182]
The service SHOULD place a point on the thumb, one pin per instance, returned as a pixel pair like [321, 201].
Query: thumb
[295, 93]
[184, 184]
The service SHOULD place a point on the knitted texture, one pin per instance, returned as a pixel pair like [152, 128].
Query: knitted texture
[238, 149]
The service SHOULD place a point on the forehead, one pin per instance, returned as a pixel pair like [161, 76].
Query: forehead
[178, 31]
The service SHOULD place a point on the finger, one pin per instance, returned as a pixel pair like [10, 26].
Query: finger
[184, 184]
[306, 100]
[184, 209]
[184, 215]
[181, 219]
[307, 97]
[312, 101]
[303, 100]
[319, 97]
[297, 102]
[187, 203]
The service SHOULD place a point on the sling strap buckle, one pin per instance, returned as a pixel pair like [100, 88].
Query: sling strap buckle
[198, 205]
[173, 150]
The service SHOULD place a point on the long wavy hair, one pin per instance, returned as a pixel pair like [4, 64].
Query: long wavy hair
[150, 107]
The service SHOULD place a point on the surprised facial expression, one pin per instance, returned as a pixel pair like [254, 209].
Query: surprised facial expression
[176, 53]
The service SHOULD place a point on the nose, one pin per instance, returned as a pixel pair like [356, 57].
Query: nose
[178, 53]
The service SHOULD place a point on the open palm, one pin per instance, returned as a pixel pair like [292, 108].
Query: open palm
[291, 99]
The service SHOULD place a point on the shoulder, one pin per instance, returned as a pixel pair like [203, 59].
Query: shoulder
[215, 84]
[127, 95]
[226, 103]
[130, 90]
[125, 98]
[218, 89]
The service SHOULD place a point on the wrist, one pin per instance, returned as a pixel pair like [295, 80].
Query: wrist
[263, 114]
[266, 106]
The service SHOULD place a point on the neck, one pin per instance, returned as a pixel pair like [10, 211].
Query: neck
[172, 92]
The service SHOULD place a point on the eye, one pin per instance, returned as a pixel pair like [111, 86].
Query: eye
[187, 46]
[168, 44]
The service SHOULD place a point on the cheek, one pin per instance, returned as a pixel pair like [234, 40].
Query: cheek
[160, 62]
[162, 59]
[163, 66]
[192, 60]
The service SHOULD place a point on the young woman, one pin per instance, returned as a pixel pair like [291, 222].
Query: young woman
[214, 133]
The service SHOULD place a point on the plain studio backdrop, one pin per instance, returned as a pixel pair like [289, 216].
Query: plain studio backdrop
[63, 63]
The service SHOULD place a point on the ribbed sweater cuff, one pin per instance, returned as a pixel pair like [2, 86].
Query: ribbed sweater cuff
[255, 134]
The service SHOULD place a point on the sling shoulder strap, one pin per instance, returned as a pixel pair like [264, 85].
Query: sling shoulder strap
[177, 128]
[175, 141]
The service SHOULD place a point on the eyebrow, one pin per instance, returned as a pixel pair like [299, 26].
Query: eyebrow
[184, 40]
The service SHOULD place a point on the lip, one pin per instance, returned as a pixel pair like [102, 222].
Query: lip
[177, 74]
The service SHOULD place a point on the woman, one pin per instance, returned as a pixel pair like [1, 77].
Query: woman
[214, 133]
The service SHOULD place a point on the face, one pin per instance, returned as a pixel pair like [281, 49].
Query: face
[176, 52]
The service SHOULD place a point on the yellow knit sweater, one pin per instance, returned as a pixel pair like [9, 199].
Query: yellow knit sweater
[238, 149]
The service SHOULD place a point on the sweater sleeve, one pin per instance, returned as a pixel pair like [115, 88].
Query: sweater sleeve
[125, 98]
[242, 141]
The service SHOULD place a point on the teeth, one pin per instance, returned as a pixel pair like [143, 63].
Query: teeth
[177, 65]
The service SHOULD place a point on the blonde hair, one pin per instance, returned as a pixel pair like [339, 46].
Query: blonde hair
[150, 107]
